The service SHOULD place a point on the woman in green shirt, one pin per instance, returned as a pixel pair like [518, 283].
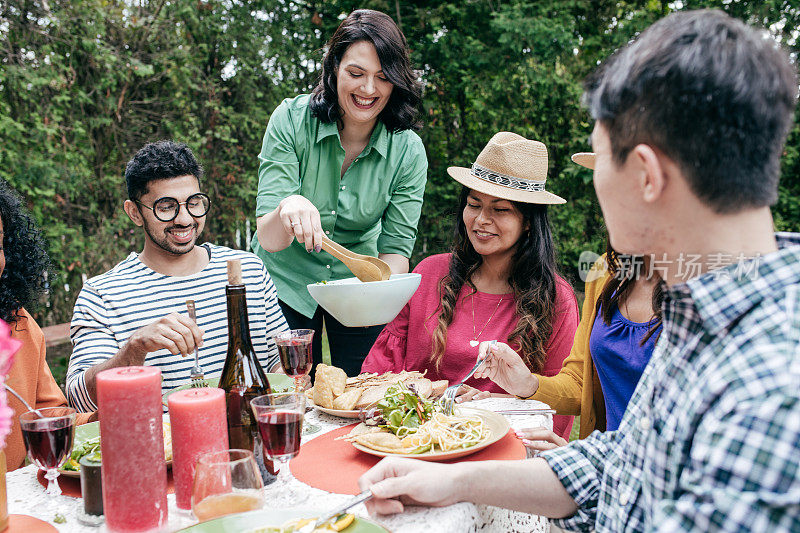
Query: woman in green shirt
[342, 162]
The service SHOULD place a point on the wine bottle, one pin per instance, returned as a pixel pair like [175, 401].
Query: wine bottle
[242, 377]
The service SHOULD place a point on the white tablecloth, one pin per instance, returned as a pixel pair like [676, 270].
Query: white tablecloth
[26, 495]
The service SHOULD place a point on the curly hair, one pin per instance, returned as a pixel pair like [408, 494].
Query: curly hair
[402, 110]
[532, 279]
[24, 278]
[624, 269]
[157, 161]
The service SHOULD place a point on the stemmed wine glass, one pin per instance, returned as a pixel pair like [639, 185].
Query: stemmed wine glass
[226, 482]
[294, 348]
[48, 434]
[280, 419]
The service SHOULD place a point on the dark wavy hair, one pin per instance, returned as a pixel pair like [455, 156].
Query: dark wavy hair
[624, 269]
[158, 161]
[402, 110]
[714, 94]
[532, 279]
[24, 278]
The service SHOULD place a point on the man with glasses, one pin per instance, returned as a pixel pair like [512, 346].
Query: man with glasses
[135, 314]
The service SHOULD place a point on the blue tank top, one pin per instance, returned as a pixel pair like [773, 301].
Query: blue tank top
[620, 360]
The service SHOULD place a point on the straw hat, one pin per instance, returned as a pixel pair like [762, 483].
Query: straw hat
[510, 167]
[584, 159]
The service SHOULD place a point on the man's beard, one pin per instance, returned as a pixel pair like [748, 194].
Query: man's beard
[164, 243]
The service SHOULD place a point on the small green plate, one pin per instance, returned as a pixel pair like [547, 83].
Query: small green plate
[278, 382]
[83, 433]
[242, 522]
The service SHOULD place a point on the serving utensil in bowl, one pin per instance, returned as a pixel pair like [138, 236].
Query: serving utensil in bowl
[366, 268]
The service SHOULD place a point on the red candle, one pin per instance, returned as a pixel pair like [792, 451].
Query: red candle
[134, 471]
[199, 425]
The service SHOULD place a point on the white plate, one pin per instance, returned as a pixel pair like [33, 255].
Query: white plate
[498, 428]
[334, 412]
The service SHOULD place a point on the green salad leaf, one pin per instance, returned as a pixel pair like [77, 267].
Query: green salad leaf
[404, 410]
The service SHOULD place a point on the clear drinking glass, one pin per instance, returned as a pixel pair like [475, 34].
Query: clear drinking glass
[48, 434]
[280, 419]
[226, 482]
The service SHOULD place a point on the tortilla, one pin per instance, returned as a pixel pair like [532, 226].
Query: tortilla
[382, 442]
[323, 395]
[347, 401]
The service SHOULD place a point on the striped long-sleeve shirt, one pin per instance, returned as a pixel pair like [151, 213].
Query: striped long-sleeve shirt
[112, 306]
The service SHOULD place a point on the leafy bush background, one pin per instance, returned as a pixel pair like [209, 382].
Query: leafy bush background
[85, 83]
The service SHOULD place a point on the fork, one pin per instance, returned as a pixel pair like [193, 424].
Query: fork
[449, 396]
[197, 375]
[352, 502]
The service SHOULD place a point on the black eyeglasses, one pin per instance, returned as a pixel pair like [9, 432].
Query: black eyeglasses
[166, 209]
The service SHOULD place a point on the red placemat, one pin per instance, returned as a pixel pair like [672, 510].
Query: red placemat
[71, 486]
[22, 523]
[335, 465]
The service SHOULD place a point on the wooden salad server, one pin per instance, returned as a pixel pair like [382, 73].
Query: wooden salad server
[364, 267]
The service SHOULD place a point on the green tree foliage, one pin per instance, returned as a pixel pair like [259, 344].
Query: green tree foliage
[85, 83]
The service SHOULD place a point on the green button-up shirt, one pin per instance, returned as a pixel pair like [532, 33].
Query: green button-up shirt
[374, 208]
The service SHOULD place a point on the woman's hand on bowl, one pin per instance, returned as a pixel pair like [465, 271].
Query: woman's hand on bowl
[505, 367]
[540, 439]
[301, 218]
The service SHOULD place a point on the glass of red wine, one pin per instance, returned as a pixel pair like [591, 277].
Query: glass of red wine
[294, 348]
[280, 420]
[48, 434]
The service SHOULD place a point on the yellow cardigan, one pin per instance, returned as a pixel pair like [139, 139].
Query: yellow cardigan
[565, 392]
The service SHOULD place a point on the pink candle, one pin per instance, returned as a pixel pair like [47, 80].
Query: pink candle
[134, 471]
[199, 425]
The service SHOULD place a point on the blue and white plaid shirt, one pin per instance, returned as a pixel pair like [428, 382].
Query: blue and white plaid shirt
[711, 437]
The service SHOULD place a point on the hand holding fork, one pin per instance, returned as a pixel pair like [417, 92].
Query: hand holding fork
[197, 375]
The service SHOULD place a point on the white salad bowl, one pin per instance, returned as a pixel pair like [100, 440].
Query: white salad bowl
[355, 303]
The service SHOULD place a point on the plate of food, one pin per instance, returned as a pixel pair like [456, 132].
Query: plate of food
[278, 382]
[336, 394]
[404, 424]
[87, 442]
[283, 521]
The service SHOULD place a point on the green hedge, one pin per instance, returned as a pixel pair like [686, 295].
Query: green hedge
[85, 83]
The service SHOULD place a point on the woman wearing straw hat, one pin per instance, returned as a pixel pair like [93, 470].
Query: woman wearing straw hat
[620, 323]
[498, 283]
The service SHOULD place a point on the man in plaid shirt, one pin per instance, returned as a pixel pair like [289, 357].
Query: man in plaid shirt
[690, 124]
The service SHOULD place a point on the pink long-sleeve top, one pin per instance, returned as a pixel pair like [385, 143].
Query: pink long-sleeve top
[406, 343]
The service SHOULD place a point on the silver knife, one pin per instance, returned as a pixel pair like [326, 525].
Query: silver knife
[364, 496]
[526, 412]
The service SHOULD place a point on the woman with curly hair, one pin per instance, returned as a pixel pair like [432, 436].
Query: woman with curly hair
[23, 264]
[500, 281]
[342, 162]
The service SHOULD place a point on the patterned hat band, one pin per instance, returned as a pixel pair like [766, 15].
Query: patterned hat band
[505, 180]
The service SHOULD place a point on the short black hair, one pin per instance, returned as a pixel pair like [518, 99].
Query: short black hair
[713, 94]
[378, 28]
[24, 278]
[158, 161]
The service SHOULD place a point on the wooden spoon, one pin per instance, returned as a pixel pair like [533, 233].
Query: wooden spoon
[364, 267]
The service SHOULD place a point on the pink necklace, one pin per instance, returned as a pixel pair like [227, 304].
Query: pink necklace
[474, 342]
